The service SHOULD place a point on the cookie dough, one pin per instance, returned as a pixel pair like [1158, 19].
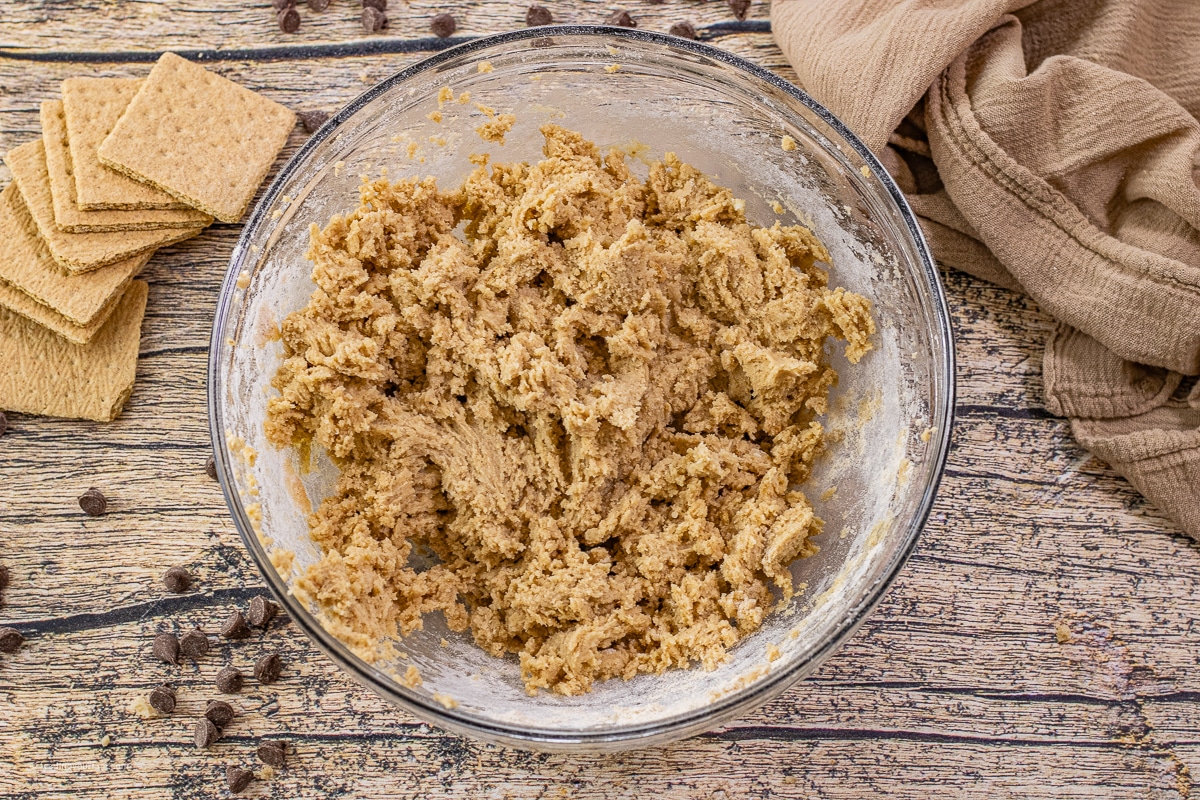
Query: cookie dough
[571, 409]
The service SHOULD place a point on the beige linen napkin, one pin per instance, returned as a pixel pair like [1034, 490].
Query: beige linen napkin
[1051, 146]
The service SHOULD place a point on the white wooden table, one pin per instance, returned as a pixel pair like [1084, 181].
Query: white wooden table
[959, 684]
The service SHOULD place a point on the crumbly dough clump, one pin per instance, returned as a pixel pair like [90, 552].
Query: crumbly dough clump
[592, 402]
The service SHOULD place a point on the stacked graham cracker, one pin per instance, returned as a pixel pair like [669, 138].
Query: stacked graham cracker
[123, 167]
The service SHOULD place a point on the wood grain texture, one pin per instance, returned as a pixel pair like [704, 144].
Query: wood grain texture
[958, 686]
[66, 26]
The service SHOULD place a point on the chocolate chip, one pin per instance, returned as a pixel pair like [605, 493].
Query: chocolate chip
[163, 699]
[3, 578]
[194, 644]
[166, 647]
[538, 15]
[267, 668]
[272, 753]
[229, 681]
[235, 627]
[11, 641]
[210, 467]
[262, 611]
[311, 120]
[318, 5]
[177, 580]
[219, 713]
[379, 4]
[443, 25]
[373, 19]
[740, 8]
[3, 423]
[238, 779]
[93, 502]
[280, 5]
[206, 733]
[289, 20]
[684, 30]
[621, 18]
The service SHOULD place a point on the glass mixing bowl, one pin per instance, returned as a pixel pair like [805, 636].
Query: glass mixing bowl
[727, 117]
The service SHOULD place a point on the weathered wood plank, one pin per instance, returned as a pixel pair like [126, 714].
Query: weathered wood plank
[331, 721]
[88, 25]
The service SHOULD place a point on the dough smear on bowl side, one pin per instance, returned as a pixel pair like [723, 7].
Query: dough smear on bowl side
[593, 404]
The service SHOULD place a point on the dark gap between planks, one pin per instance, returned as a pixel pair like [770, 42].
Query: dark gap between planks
[368, 47]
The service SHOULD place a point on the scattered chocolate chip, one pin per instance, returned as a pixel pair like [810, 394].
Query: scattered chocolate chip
[163, 699]
[11, 641]
[289, 20]
[206, 733]
[229, 681]
[272, 753]
[238, 779]
[373, 19]
[3, 578]
[235, 627]
[740, 8]
[311, 120]
[219, 713]
[684, 30]
[538, 15]
[267, 668]
[379, 4]
[177, 580]
[3, 423]
[262, 611]
[443, 25]
[280, 5]
[93, 502]
[318, 5]
[166, 647]
[210, 467]
[194, 644]
[622, 19]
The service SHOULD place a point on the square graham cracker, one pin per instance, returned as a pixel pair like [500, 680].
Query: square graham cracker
[78, 252]
[25, 264]
[14, 299]
[67, 214]
[198, 136]
[92, 107]
[45, 374]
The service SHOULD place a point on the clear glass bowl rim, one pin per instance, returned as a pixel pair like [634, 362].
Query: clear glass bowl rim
[634, 735]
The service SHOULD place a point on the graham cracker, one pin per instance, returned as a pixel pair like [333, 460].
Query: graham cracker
[45, 374]
[68, 215]
[92, 107]
[14, 299]
[26, 264]
[198, 136]
[78, 252]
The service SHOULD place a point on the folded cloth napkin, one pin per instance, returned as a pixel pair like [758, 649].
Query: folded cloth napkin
[1050, 146]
